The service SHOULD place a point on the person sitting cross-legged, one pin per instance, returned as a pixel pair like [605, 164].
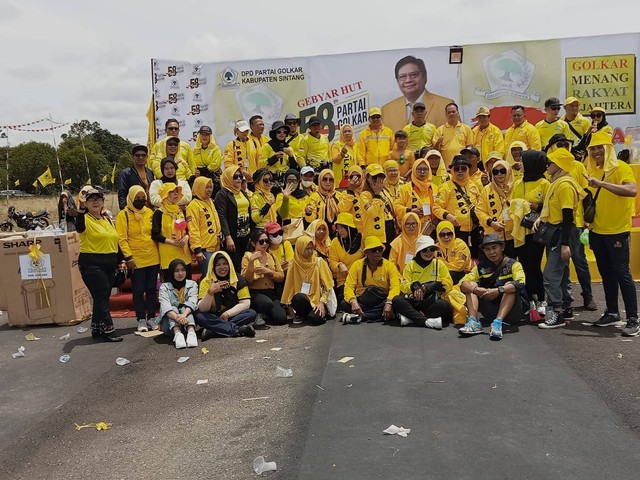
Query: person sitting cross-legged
[371, 285]
[424, 280]
[494, 288]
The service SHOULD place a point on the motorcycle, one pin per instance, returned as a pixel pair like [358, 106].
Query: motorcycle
[25, 220]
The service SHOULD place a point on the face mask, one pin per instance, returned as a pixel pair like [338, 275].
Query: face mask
[139, 203]
[307, 183]
[276, 240]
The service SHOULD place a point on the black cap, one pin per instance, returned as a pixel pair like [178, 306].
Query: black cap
[552, 102]
[471, 150]
[291, 116]
[314, 120]
[139, 148]
[558, 137]
[205, 129]
[419, 105]
[460, 160]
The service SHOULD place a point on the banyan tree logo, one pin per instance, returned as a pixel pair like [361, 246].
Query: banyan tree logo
[508, 74]
[228, 77]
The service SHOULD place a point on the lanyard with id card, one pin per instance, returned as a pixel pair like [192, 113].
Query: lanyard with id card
[306, 288]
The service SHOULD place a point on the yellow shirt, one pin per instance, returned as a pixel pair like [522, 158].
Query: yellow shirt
[613, 212]
[338, 255]
[171, 252]
[99, 236]
[564, 197]
[449, 200]
[243, 205]
[184, 159]
[488, 140]
[435, 271]
[283, 252]
[266, 152]
[242, 154]
[259, 281]
[340, 164]
[386, 276]
[374, 146]
[532, 192]
[350, 203]
[455, 139]
[314, 151]
[258, 201]
[526, 133]
[205, 283]
[419, 137]
[580, 125]
[406, 164]
[134, 238]
[548, 130]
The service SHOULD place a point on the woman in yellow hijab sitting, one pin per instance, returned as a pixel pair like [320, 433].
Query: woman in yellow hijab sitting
[308, 284]
[318, 231]
[403, 247]
[454, 251]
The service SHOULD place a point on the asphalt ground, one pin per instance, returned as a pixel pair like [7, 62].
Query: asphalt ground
[559, 404]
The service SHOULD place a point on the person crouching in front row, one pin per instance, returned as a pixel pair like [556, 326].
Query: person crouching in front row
[371, 285]
[494, 288]
[178, 297]
[425, 279]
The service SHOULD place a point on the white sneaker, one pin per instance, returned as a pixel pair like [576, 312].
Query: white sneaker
[178, 339]
[142, 325]
[433, 323]
[404, 321]
[192, 339]
[542, 308]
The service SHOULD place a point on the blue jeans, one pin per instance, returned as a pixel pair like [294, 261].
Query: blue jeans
[168, 324]
[579, 259]
[557, 284]
[223, 328]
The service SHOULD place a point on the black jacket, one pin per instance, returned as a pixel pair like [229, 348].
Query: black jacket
[227, 209]
[128, 178]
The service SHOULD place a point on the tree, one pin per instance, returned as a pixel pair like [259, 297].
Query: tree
[111, 145]
[29, 160]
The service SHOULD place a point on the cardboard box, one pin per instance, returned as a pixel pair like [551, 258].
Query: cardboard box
[52, 291]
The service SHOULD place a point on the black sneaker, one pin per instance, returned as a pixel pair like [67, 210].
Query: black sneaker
[567, 314]
[607, 319]
[632, 329]
[246, 331]
[206, 334]
[552, 320]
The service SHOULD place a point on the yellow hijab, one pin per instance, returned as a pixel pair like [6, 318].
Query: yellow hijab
[311, 271]
[517, 143]
[421, 186]
[199, 188]
[610, 158]
[170, 208]
[323, 244]
[131, 196]
[353, 137]
[211, 272]
[226, 179]
[503, 191]
[408, 242]
[329, 196]
[391, 164]
[357, 169]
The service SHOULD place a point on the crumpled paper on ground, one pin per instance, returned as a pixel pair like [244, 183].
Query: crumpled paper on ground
[98, 426]
[31, 337]
[393, 430]
[260, 465]
[19, 353]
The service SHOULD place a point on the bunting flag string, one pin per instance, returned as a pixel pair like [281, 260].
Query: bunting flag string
[24, 124]
[53, 127]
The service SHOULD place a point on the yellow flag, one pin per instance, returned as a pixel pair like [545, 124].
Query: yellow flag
[35, 184]
[113, 175]
[151, 117]
[67, 181]
[46, 178]
[17, 183]
[104, 179]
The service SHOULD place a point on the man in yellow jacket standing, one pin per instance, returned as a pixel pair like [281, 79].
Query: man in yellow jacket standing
[522, 130]
[375, 141]
[159, 151]
[487, 137]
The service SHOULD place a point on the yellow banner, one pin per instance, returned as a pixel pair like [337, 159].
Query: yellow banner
[608, 81]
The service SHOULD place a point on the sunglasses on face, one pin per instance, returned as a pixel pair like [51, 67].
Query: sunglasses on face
[430, 249]
[173, 128]
[277, 234]
[460, 168]
[564, 145]
[376, 250]
[596, 115]
[555, 107]
[374, 117]
[267, 180]
[281, 132]
[445, 234]
[238, 176]
[499, 171]
[330, 180]
[263, 241]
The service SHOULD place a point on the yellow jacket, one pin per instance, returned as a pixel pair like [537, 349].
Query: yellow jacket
[409, 199]
[436, 271]
[449, 200]
[204, 226]
[184, 159]
[314, 151]
[488, 140]
[350, 203]
[258, 207]
[210, 157]
[374, 147]
[526, 133]
[375, 212]
[342, 164]
[293, 207]
[242, 154]
[318, 205]
[338, 255]
[491, 208]
[455, 138]
[266, 153]
[134, 238]
[386, 276]
[456, 256]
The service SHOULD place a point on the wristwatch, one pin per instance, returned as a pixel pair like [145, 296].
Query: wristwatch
[500, 289]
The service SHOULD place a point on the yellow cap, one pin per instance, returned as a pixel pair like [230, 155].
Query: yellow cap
[570, 100]
[375, 169]
[375, 111]
[598, 109]
[483, 111]
[562, 158]
[600, 138]
[346, 219]
[496, 155]
[372, 242]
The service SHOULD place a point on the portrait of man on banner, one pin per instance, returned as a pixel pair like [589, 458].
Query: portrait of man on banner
[411, 75]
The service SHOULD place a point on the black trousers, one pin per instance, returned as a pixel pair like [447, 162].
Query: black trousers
[98, 274]
[302, 305]
[476, 238]
[530, 256]
[143, 282]
[612, 258]
[371, 301]
[241, 244]
[418, 312]
[266, 303]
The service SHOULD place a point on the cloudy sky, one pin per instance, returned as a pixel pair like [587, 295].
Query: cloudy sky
[77, 59]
